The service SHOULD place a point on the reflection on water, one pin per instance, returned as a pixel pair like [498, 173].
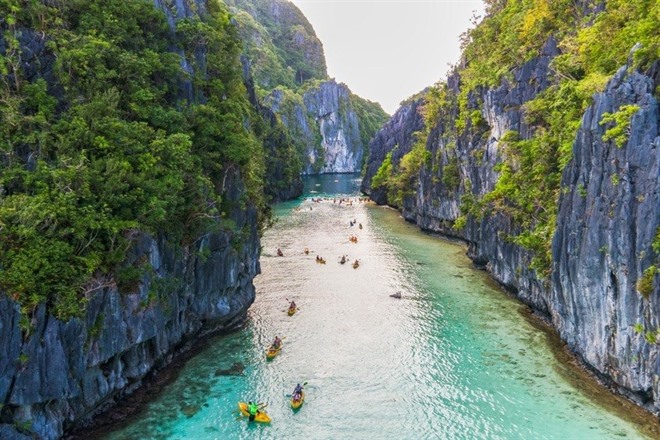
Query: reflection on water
[332, 185]
[451, 359]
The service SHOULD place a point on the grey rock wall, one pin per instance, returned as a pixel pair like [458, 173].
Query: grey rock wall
[609, 214]
[395, 136]
[326, 124]
[607, 220]
[56, 375]
[61, 373]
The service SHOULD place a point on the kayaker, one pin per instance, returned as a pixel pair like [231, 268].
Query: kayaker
[277, 342]
[297, 393]
[279, 252]
[292, 306]
[253, 409]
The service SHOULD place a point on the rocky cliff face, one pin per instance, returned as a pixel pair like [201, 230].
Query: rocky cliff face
[55, 375]
[330, 126]
[608, 218]
[395, 136]
[325, 123]
[472, 157]
[280, 41]
[59, 374]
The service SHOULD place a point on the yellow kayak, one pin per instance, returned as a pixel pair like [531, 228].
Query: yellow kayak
[292, 310]
[272, 352]
[261, 416]
[295, 404]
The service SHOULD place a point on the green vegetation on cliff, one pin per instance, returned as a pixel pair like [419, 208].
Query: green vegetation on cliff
[97, 143]
[594, 39]
[371, 116]
[280, 42]
[287, 61]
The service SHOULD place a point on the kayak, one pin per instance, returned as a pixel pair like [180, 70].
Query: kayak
[261, 416]
[292, 310]
[295, 404]
[272, 352]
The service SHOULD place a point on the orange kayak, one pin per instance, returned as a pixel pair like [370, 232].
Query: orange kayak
[272, 352]
[292, 310]
[261, 416]
[297, 403]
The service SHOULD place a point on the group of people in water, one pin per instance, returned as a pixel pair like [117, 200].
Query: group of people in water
[254, 408]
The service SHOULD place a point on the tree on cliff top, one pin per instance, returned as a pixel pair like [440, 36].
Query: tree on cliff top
[98, 143]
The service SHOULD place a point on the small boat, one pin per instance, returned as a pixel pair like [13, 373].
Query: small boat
[356, 264]
[292, 310]
[297, 403]
[272, 352]
[261, 416]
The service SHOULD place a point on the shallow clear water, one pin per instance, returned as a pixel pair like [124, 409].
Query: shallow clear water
[453, 359]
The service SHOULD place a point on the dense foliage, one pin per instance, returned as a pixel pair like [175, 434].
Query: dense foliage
[287, 60]
[281, 43]
[98, 141]
[595, 38]
[371, 116]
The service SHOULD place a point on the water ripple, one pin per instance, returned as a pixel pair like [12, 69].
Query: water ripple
[451, 359]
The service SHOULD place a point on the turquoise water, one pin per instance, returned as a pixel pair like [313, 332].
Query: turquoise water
[454, 358]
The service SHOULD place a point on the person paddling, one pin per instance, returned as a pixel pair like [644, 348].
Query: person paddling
[277, 343]
[253, 409]
[297, 393]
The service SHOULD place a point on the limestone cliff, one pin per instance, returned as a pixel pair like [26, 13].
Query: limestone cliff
[56, 374]
[330, 126]
[326, 125]
[599, 288]
[280, 42]
[396, 136]
[608, 218]
[62, 374]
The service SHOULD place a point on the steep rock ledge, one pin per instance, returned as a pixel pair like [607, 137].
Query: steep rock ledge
[608, 218]
[471, 159]
[326, 124]
[56, 375]
[395, 136]
[63, 373]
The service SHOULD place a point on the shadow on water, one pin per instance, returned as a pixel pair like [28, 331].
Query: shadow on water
[332, 185]
[574, 371]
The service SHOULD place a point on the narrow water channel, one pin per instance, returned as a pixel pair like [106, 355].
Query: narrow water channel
[454, 358]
